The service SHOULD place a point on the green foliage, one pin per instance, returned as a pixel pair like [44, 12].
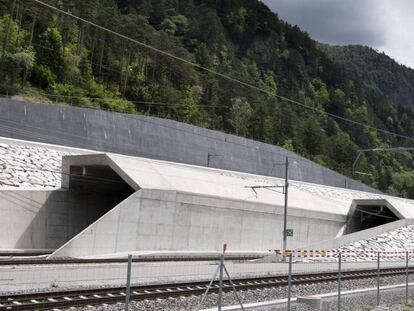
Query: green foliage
[42, 76]
[14, 67]
[16, 60]
[376, 71]
[50, 51]
[403, 184]
[312, 137]
[343, 151]
[240, 113]
[70, 62]
[191, 111]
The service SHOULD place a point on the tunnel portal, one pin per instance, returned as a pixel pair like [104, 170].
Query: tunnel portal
[366, 214]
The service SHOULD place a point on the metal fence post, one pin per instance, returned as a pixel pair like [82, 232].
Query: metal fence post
[289, 281]
[339, 280]
[128, 284]
[220, 296]
[378, 278]
[406, 277]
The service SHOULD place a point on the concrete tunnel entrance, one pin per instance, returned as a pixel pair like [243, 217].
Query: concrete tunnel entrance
[96, 189]
[365, 214]
[47, 219]
[98, 179]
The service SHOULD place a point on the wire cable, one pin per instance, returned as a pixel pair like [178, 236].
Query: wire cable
[227, 77]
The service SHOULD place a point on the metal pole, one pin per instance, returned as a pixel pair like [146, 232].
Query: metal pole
[406, 277]
[207, 290]
[289, 281]
[378, 278]
[339, 280]
[285, 206]
[220, 296]
[234, 288]
[128, 284]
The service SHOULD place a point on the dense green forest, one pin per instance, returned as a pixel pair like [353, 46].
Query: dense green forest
[376, 71]
[55, 58]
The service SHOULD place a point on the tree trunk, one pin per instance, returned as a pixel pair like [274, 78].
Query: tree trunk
[126, 73]
[19, 16]
[78, 49]
[122, 65]
[8, 28]
[93, 49]
[32, 29]
[102, 53]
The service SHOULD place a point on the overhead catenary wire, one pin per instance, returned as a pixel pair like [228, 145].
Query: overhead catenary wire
[224, 76]
[109, 99]
[107, 67]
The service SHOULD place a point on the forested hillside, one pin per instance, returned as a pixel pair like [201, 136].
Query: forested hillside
[55, 58]
[376, 71]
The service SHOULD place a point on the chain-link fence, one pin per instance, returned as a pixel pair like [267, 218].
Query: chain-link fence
[291, 281]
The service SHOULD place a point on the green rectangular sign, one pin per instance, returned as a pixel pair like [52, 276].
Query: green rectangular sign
[289, 232]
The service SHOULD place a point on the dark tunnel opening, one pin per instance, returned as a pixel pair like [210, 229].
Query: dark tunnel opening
[96, 189]
[369, 216]
[53, 217]
[98, 179]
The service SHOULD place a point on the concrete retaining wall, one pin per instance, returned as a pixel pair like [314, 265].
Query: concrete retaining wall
[159, 220]
[158, 139]
[36, 219]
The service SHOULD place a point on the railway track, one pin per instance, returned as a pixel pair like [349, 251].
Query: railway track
[43, 261]
[99, 296]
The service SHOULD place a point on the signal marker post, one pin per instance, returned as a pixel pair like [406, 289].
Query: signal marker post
[285, 233]
[285, 190]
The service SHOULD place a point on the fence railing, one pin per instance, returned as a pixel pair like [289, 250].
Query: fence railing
[297, 269]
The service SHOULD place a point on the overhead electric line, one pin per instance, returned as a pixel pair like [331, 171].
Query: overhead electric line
[109, 99]
[385, 149]
[227, 77]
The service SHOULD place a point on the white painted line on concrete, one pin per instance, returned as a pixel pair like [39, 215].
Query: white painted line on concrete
[253, 305]
[271, 303]
[361, 290]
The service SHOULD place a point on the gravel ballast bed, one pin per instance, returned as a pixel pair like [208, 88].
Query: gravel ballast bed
[250, 296]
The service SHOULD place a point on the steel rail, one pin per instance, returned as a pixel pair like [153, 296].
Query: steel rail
[98, 296]
[43, 261]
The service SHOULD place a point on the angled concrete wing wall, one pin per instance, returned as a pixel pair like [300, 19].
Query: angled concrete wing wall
[37, 219]
[327, 244]
[158, 139]
[166, 220]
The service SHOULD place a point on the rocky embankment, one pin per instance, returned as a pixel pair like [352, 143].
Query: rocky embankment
[29, 167]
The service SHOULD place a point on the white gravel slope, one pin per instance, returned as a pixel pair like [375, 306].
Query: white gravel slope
[29, 167]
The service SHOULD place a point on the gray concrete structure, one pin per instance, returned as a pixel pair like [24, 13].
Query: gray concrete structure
[179, 207]
[38, 219]
[336, 243]
[158, 139]
[114, 204]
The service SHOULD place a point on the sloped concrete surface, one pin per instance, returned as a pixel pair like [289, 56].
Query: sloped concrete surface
[181, 207]
[398, 240]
